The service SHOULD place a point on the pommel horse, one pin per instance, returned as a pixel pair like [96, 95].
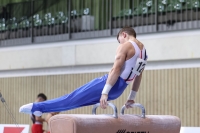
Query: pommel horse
[122, 123]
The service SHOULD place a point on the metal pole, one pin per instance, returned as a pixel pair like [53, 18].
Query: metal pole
[69, 15]
[110, 24]
[32, 6]
[156, 14]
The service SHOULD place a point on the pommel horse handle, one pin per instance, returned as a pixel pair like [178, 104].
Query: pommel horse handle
[115, 115]
[135, 105]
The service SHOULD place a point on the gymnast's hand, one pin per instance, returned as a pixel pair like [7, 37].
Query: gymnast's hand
[128, 103]
[103, 101]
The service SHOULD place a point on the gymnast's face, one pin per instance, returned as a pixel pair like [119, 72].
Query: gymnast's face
[122, 37]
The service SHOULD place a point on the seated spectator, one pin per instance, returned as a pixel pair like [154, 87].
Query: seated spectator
[37, 126]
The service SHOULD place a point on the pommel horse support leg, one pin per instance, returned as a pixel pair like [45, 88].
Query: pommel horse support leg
[123, 123]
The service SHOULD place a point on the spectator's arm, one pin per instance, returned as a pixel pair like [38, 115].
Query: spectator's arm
[39, 119]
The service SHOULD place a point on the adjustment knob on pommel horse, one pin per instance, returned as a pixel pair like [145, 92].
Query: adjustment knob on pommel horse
[123, 123]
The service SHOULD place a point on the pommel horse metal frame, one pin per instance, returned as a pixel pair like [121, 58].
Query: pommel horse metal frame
[115, 115]
[135, 105]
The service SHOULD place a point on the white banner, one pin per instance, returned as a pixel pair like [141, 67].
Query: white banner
[11, 128]
[190, 130]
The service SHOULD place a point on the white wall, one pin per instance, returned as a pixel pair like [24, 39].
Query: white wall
[160, 47]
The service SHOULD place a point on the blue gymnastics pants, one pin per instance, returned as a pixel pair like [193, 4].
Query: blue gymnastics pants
[85, 95]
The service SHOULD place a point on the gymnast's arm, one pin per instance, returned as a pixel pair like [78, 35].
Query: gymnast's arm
[113, 74]
[136, 83]
[116, 69]
[134, 90]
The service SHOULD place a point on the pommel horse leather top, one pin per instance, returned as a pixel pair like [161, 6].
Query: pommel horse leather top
[123, 123]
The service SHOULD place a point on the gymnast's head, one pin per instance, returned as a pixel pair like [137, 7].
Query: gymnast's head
[125, 34]
[41, 97]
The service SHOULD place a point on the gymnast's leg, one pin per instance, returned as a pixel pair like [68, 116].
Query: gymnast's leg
[87, 94]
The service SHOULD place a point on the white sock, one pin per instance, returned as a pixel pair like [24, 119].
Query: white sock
[26, 108]
[37, 113]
